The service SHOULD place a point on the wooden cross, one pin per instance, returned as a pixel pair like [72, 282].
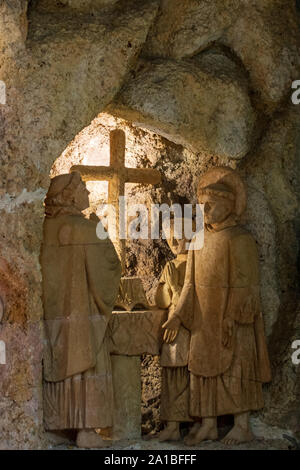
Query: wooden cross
[117, 174]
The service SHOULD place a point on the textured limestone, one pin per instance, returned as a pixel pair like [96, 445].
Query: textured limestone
[201, 103]
[127, 397]
[131, 335]
[81, 60]
[185, 27]
[86, 6]
[273, 174]
[137, 333]
[273, 30]
[13, 24]
[263, 34]
[154, 444]
[283, 395]
[20, 388]
[151, 391]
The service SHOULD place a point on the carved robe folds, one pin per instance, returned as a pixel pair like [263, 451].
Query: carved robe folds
[174, 356]
[222, 282]
[81, 277]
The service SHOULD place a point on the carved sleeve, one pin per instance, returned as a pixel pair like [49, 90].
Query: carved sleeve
[185, 306]
[102, 266]
[172, 279]
[103, 273]
[243, 298]
[163, 295]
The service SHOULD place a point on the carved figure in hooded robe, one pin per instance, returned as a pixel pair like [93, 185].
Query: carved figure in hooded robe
[81, 275]
[220, 305]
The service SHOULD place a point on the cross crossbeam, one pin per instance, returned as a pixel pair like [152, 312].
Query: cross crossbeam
[117, 175]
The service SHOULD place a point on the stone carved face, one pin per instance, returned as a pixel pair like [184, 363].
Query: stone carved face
[216, 210]
[81, 196]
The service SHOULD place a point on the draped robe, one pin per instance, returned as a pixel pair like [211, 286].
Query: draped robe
[81, 275]
[174, 356]
[222, 282]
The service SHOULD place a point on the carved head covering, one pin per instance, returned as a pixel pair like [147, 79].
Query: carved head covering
[226, 183]
[60, 196]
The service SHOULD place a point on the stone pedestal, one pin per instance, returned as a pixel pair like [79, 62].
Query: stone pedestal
[132, 334]
[127, 397]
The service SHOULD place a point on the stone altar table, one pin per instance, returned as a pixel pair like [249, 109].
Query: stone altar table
[131, 335]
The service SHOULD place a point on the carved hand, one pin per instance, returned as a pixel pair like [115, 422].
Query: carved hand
[228, 330]
[171, 328]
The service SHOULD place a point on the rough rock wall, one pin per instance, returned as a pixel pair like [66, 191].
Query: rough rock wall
[65, 62]
[273, 173]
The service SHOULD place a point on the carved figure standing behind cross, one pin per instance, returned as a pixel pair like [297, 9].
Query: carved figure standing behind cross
[117, 174]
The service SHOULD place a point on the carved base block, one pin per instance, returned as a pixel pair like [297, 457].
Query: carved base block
[136, 333]
[127, 397]
[131, 335]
